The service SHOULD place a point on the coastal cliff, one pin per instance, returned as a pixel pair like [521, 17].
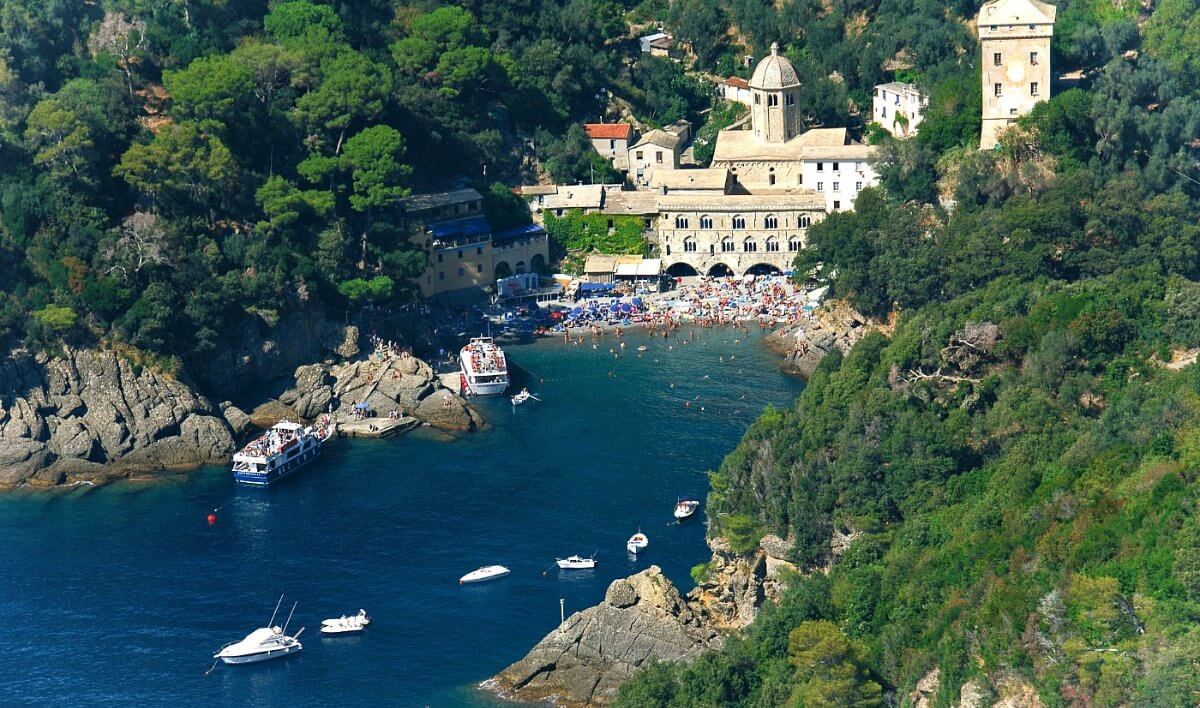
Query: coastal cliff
[643, 618]
[834, 325]
[88, 415]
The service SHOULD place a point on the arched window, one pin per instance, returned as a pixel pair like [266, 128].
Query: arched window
[805, 221]
[794, 245]
[681, 222]
[772, 99]
[727, 244]
[706, 222]
[750, 245]
[772, 245]
[739, 222]
[689, 245]
[771, 222]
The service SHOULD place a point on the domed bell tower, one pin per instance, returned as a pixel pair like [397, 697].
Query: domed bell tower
[775, 99]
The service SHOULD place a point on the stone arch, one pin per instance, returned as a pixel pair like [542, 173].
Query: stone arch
[538, 263]
[763, 269]
[520, 267]
[682, 270]
[503, 270]
[720, 270]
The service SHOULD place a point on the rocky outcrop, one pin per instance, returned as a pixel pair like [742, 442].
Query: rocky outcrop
[261, 348]
[403, 383]
[88, 415]
[834, 326]
[586, 660]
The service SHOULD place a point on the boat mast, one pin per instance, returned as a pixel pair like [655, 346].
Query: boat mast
[289, 619]
[271, 622]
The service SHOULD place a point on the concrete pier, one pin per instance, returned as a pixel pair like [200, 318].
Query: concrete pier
[382, 427]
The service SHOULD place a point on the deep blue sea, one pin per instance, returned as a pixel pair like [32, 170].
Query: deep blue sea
[121, 594]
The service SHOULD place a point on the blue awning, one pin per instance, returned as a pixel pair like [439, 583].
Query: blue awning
[471, 226]
[518, 233]
[595, 287]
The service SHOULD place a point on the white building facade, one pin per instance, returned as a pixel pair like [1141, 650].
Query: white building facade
[898, 107]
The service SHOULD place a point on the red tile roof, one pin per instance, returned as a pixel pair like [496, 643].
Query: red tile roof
[608, 131]
[737, 82]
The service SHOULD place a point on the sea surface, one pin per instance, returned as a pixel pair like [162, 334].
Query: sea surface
[122, 594]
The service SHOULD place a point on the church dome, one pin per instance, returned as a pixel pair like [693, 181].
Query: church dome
[774, 72]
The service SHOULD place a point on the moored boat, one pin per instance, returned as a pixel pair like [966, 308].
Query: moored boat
[637, 542]
[576, 563]
[263, 644]
[487, 572]
[522, 396]
[282, 450]
[346, 625]
[484, 367]
[685, 508]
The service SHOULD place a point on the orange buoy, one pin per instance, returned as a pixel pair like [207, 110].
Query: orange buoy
[212, 519]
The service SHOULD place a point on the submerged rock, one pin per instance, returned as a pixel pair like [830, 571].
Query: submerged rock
[89, 415]
[586, 660]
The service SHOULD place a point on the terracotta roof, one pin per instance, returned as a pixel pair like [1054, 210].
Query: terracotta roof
[608, 131]
[736, 82]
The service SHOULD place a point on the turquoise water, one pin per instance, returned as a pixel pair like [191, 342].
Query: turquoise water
[121, 594]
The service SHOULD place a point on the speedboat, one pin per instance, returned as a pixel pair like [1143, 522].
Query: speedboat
[576, 563]
[522, 396]
[637, 542]
[346, 625]
[487, 572]
[685, 508]
[264, 643]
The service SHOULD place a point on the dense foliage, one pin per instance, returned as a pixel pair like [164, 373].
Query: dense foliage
[167, 168]
[1013, 462]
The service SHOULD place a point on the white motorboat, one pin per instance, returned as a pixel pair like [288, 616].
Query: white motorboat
[685, 508]
[522, 396]
[264, 643]
[487, 572]
[576, 563]
[637, 542]
[643, 348]
[346, 625]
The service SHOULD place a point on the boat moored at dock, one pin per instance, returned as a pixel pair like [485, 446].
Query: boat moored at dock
[484, 367]
[282, 450]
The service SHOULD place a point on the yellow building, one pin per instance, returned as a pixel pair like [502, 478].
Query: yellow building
[1014, 36]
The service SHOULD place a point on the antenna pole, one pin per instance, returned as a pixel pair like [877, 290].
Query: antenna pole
[289, 619]
[271, 623]
[562, 611]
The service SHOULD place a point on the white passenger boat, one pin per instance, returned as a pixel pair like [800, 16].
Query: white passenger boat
[576, 563]
[685, 508]
[487, 572]
[346, 625]
[484, 368]
[282, 450]
[637, 542]
[264, 643]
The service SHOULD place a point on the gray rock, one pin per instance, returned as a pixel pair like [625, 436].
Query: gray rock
[586, 660]
[236, 418]
[88, 409]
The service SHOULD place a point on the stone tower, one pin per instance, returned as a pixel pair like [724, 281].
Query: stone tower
[1014, 36]
[774, 100]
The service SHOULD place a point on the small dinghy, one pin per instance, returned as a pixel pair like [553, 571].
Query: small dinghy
[643, 348]
[487, 572]
[264, 643]
[523, 396]
[576, 563]
[637, 542]
[346, 625]
[685, 508]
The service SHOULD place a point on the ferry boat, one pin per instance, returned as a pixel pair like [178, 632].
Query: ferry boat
[282, 450]
[484, 368]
